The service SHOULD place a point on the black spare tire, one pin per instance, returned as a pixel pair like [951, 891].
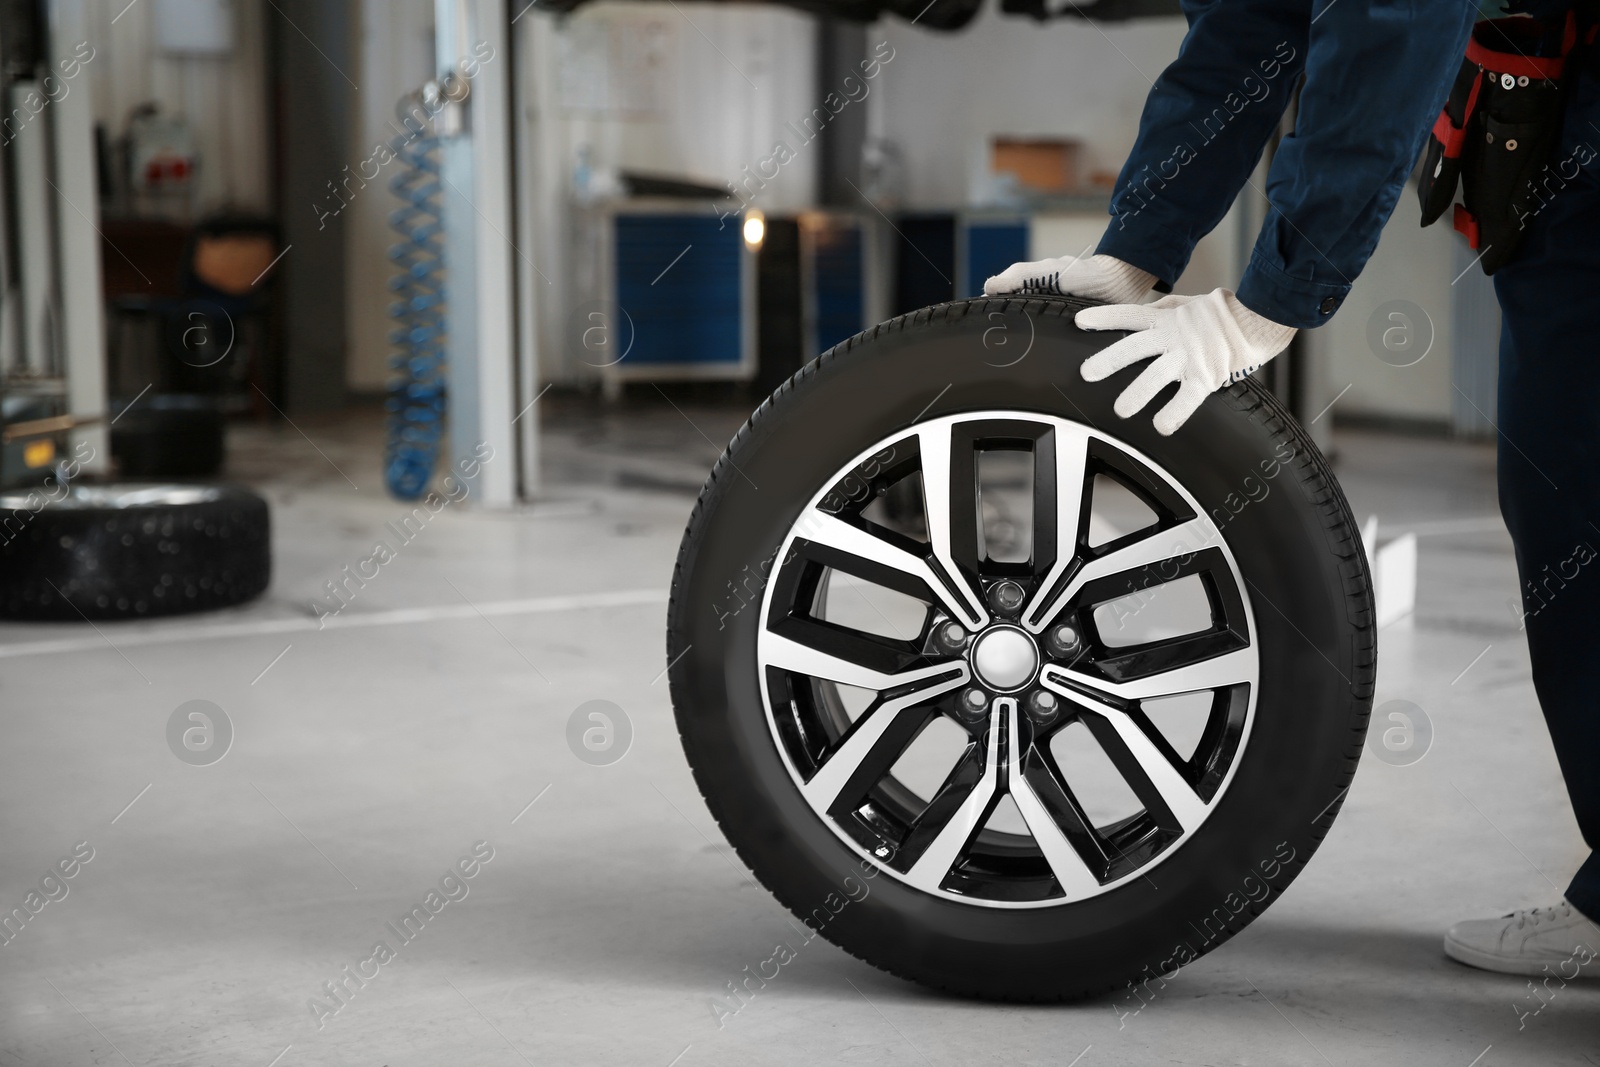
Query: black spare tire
[130, 550]
[1147, 661]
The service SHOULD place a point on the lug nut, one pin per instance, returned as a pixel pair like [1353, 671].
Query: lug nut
[1043, 705]
[1063, 640]
[1006, 597]
[974, 702]
[951, 636]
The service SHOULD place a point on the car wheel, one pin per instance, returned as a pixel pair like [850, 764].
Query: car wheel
[1005, 694]
[129, 550]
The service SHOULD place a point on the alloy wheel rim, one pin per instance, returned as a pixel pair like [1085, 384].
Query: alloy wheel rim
[845, 764]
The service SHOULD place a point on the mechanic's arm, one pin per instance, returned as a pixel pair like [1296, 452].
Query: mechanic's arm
[1376, 75]
[1205, 122]
[1377, 72]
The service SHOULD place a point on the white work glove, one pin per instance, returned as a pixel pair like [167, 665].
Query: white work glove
[1103, 278]
[1200, 342]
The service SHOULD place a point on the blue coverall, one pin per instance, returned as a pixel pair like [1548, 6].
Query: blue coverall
[1376, 75]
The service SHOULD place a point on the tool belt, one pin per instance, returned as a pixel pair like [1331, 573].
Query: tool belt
[1497, 130]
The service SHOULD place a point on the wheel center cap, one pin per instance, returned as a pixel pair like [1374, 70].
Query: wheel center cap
[1005, 658]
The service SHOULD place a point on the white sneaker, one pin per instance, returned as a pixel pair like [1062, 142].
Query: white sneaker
[1561, 941]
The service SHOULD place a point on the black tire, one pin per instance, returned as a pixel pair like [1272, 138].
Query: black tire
[121, 551]
[169, 436]
[1282, 516]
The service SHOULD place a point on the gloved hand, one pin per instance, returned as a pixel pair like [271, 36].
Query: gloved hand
[1095, 277]
[1200, 342]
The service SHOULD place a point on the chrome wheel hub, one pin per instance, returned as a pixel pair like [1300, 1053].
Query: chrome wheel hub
[1005, 658]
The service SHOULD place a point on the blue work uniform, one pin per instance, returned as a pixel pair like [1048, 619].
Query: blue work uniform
[1549, 453]
[1376, 75]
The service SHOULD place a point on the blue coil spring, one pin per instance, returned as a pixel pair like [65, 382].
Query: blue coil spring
[416, 401]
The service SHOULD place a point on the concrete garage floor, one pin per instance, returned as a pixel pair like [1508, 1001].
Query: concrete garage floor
[371, 756]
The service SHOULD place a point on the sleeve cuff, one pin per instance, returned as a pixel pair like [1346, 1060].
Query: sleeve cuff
[1269, 292]
[1151, 247]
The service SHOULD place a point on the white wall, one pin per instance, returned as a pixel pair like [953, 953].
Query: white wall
[1411, 264]
[224, 97]
[944, 95]
[693, 89]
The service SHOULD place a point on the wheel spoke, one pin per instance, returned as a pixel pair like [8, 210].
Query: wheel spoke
[1230, 668]
[1069, 461]
[953, 792]
[933, 443]
[876, 740]
[1184, 804]
[930, 868]
[1065, 863]
[1044, 777]
[1159, 547]
[834, 533]
[775, 650]
[1145, 766]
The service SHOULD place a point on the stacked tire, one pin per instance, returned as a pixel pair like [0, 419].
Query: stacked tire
[130, 550]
